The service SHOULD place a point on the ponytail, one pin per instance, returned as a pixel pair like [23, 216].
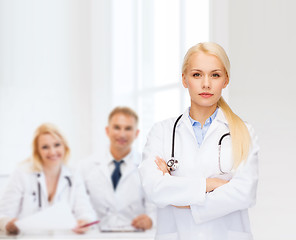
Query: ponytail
[239, 134]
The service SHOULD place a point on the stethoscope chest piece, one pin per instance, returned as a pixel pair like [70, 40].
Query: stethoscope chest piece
[173, 165]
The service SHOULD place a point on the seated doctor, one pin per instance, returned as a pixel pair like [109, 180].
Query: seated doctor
[43, 180]
[112, 179]
[201, 168]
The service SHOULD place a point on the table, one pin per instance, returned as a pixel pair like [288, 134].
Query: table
[95, 234]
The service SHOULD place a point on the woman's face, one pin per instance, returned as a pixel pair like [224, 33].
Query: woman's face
[205, 78]
[51, 150]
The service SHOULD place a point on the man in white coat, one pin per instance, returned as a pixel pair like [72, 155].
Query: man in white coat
[112, 178]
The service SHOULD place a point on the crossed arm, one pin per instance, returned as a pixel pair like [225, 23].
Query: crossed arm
[163, 189]
[211, 183]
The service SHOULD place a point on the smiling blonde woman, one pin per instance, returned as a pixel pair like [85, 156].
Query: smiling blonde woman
[44, 180]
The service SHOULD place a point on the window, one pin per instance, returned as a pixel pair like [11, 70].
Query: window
[150, 39]
[122, 52]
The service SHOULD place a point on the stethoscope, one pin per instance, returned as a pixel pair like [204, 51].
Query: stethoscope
[39, 188]
[173, 163]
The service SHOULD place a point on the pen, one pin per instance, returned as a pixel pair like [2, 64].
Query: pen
[89, 224]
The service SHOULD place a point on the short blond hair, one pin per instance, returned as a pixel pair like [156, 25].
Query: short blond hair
[47, 128]
[125, 111]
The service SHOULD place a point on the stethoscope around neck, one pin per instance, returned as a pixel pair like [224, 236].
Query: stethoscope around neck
[39, 188]
[173, 163]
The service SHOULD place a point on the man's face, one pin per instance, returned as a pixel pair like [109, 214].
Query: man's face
[122, 131]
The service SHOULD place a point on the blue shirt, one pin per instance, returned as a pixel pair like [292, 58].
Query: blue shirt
[200, 132]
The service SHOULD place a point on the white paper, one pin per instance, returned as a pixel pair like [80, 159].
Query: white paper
[56, 217]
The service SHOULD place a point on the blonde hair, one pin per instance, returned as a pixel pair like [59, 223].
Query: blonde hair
[239, 132]
[47, 128]
[125, 111]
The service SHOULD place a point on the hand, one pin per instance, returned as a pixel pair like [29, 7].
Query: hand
[11, 228]
[78, 229]
[213, 183]
[162, 166]
[183, 207]
[142, 222]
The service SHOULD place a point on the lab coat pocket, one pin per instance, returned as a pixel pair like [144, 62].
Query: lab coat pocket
[167, 236]
[234, 235]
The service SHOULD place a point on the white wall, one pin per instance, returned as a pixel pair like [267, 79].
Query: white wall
[261, 39]
[44, 75]
[101, 86]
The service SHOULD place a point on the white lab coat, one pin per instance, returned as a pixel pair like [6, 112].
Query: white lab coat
[219, 215]
[116, 208]
[21, 197]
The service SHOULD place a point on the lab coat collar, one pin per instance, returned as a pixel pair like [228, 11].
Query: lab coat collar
[63, 181]
[101, 161]
[219, 117]
[186, 121]
[106, 158]
[65, 171]
[131, 164]
[208, 121]
[126, 158]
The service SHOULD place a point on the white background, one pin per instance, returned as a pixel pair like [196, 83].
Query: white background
[56, 64]
[261, 39]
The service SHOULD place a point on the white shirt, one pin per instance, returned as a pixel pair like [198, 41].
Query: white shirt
[111, 164]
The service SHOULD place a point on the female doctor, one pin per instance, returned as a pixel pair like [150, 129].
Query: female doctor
[201, 169]
[42, 181]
